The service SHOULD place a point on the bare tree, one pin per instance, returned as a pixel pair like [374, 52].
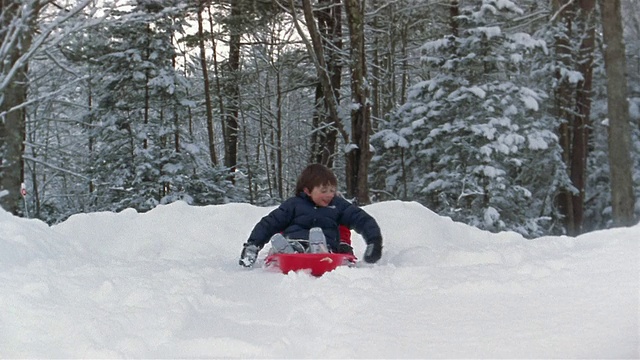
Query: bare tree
[317, 53]
[622, 196]
[17, 22]
[324, 133]
[20, 42]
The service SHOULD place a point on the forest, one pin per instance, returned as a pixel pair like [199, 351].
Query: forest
[508, 115]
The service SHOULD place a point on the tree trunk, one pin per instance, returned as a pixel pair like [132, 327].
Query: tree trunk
[147, 94]
[176, 106]
[581, 120]
[358, 154]
[454, 13]
[278, 140]
[622, 196]
[207, 88]
[12, 114]
[12, 135]
[562, 99]
[324, 133]
[232, 91]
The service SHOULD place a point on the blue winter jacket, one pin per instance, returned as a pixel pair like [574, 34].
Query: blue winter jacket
[297, 215]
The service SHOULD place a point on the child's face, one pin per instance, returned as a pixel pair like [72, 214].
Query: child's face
[321, 195]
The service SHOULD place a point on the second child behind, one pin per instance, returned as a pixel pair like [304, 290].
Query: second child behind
[315, 205]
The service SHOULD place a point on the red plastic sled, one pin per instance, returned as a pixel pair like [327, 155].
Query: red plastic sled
[318, 264]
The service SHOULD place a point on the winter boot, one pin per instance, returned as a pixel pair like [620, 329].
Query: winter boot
[317, 241]
[280, 245]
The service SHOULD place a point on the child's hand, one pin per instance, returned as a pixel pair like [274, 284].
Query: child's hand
[373, 253]
[248, 255]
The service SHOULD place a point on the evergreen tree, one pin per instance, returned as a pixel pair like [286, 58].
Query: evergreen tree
[139, 161]
[476, 147]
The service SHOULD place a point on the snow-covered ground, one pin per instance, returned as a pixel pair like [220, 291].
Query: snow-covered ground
[166, 284]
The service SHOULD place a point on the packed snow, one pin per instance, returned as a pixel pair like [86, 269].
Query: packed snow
[167, 284]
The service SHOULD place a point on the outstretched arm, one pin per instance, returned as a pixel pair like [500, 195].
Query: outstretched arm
[363, 223]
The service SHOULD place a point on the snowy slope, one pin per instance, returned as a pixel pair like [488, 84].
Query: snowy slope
[166, 284]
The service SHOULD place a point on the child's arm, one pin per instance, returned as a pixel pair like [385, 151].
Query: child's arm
[364, 224]
[274, 222]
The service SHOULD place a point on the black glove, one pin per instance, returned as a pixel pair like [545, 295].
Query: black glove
[344, 248]
[373, 252]
[248, 255]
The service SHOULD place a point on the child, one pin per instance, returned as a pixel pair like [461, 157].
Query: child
[316, 207]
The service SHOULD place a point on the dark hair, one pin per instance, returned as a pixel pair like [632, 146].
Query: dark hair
[315, 175]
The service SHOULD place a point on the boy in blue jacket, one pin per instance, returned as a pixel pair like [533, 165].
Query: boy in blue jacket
[315, 211]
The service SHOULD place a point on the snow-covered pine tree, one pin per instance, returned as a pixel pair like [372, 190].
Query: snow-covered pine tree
[142, 153]
[476, 146]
